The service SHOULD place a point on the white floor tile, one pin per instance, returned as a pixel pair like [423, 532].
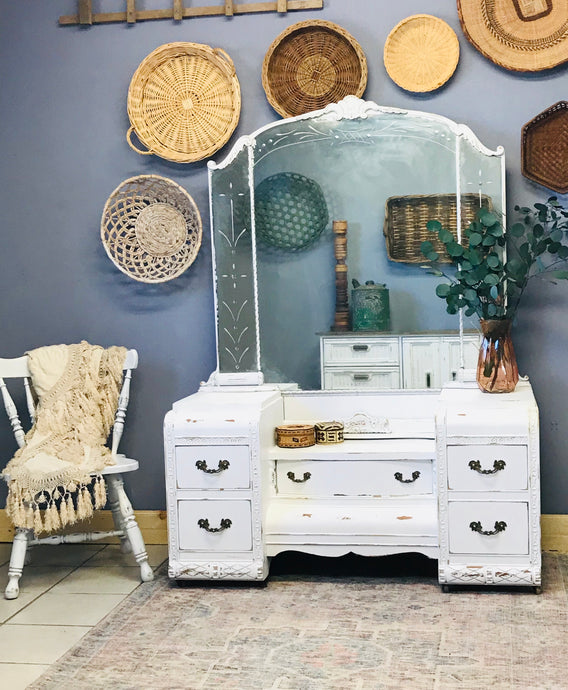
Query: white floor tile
[20, 676]
[66, 609]
[38, 579]
[62, 554]
[103, 580]
[10, 607]
[37, 644]
[112, 555]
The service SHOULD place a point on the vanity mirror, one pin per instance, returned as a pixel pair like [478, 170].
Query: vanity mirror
[386, 172]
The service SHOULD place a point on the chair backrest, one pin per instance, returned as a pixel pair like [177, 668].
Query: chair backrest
[18, 368]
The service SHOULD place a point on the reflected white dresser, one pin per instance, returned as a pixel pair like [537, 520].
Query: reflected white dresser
[452, 474]
[386, 361]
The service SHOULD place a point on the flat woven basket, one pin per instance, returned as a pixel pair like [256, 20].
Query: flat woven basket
[151, 228]
[310, 65]
[421, 53]
[184, 102]
[544, 148]
[406, 218]
[290, 211]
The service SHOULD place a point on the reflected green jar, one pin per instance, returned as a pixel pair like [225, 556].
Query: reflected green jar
[370, 308]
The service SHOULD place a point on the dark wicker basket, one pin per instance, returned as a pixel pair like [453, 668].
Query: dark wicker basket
[406, 218]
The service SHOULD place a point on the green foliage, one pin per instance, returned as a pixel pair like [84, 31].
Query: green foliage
[486, 284]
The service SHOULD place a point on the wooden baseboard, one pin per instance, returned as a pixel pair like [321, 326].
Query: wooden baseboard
[154, 528]
[152, 523]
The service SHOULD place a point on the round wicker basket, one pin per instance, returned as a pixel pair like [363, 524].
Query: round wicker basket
[310, 65]
[290, 211]
[421, 53]
[184, 102]
[151, 228]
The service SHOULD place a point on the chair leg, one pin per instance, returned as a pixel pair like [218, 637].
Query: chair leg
[17, 558]
[114, 504]
[129, 525]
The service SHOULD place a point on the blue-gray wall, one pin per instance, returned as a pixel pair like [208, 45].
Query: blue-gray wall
[63, 151]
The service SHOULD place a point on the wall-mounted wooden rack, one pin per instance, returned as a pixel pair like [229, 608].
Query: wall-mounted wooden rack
[179, 11]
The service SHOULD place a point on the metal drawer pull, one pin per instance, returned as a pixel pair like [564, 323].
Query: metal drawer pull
[292, 476]
[360, 348]
[398, 477]
[498, 465]
[428, 380]
[202, 465]
[500, 526]
[361, 377]
[204, 524]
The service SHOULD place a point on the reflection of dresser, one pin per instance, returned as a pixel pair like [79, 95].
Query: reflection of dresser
[453, 475]
[386, 361]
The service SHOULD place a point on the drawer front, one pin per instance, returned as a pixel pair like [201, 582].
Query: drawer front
[337, 378]
[506, 527]
[212, 467]
[487, 468]
[215, 533]
[361, 351]
[327, 478]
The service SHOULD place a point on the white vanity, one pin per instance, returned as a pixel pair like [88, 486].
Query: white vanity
[442, 470]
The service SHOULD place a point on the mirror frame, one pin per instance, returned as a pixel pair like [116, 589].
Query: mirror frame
[238, 359]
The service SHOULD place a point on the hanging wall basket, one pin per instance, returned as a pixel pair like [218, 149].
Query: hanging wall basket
[310, 65]
[184, 102]
[151, 228]
[421, 53]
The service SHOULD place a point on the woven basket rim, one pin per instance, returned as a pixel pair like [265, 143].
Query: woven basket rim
[143, 273]
[547, 171]
[500, 34]
[219, 63]
[406, 77]
[333, 28]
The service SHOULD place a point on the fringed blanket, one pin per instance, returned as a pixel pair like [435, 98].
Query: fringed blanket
[54, 479]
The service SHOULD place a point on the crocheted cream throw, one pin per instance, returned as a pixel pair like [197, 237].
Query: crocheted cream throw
[54, 479]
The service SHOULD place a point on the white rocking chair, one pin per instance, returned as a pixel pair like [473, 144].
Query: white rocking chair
[126, 527]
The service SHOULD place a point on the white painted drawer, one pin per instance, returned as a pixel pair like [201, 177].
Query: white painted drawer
[512, 539]
[487, 468]
[361, 351]
[337, 378]
[212, 467]
[236, 536]
[353, 477]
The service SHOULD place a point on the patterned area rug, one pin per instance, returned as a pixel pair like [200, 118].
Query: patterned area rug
[339, 624]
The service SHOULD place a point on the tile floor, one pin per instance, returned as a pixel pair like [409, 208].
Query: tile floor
[64, 591]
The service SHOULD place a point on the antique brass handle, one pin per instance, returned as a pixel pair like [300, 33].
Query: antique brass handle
[202, 465]
[292, 477]
[498, 465]
[360, 348]
[398, 477]
[500, 526]
[361, 377]
[204, 524]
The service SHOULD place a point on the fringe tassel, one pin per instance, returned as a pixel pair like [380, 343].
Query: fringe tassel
[53, 513]
[100, 492]
[63, 514]
[37, 521]
[71, 515]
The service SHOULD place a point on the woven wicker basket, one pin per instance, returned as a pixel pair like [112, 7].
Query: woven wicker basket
[184, 102]
[151, 228]
[544, 147]
[310, 65]
[290, 211]
[421, 53]
[406, 218]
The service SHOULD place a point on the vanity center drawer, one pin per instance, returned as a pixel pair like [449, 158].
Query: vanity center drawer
[365, 351]
[212, 467]
[487, 468]
[373, 478]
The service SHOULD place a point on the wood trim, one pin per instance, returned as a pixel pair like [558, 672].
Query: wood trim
[153, 524]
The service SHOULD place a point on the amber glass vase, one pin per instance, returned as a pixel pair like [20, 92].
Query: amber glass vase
[497, 370]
